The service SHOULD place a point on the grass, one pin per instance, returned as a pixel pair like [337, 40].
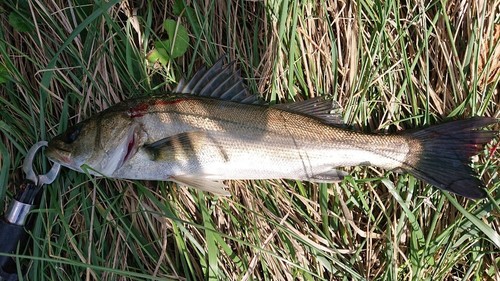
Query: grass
[392, 66]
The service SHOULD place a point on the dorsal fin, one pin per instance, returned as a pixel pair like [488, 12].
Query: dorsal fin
[324, 108]
[220, 81]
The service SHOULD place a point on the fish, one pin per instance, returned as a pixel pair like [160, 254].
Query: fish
[211, 129]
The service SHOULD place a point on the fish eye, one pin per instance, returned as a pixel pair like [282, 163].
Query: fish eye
[72, 134]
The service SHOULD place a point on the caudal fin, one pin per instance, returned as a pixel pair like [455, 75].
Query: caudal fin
[440, 155]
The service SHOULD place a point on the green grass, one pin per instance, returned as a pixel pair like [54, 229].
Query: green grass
[392, 66]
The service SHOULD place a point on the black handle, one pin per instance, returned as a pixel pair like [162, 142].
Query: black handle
[13, 228]
[11, 235]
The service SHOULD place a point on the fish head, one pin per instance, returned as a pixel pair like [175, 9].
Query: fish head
[101, 143]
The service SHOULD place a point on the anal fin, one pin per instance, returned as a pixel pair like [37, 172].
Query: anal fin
[328, 177]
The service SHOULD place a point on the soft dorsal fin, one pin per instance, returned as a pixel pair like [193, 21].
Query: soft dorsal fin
[220, 81]
[324, 108]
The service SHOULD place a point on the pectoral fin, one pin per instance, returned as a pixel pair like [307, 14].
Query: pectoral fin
[181, 146]
[215, 187]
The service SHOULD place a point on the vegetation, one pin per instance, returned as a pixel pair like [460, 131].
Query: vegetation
[392, 65]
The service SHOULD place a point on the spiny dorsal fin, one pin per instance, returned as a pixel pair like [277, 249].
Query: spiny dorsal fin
[324, 108]
[220, 81]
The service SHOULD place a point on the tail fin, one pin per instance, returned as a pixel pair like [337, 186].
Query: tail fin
[440, 155]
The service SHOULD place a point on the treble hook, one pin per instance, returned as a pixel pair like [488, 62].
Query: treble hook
[39, 180]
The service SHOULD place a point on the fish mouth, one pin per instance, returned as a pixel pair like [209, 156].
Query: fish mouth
[58, 154]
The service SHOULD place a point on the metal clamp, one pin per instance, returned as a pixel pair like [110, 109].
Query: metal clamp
[39, 180]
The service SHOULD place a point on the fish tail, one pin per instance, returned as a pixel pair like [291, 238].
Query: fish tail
[440, 155]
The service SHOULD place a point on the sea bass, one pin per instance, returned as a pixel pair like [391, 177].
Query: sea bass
[210, 129]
